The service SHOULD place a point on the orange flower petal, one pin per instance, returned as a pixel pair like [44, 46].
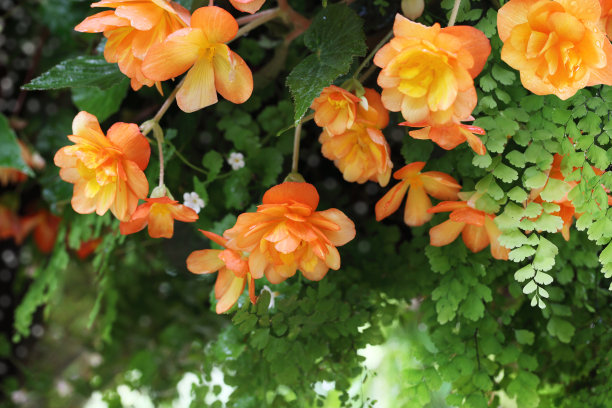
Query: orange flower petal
[101, 22]
[417, 204]
[445, 233]
[80, 202]
[217, 24]
[205, 261]
[247, 6]
[233, 78]
[174, 56]
[391, 201]
[475, 42]
[215, 238]
[440, 185]
[317, 271]
[198, 91]
[445, 206]
[183, 213]
[411, 169]
[475, 238]
[161, 223]
[228, 289]
[257, 264]
[132, 143]
[497, 250]
[288, 191]
[469, 216]
[347, 228]
[512, 14]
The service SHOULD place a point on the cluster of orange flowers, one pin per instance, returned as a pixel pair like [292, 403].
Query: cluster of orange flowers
[108, 173]
[156, 40]
[284, 235]
[427, 75]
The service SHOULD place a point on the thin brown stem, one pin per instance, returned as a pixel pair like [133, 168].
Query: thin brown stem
[262, 19]
[453, 16]
[247, 19]
[296, 148]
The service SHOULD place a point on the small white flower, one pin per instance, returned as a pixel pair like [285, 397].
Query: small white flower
[94, 359]
[63, 388]
[236, 160]
[273, 295]
[19, 397]
[193, 201]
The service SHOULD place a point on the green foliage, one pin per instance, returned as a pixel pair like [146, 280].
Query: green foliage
[335, 36]
[78, 72]
[100, 102]
[10, 154]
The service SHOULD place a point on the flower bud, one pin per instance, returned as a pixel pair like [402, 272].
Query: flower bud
[413, 8]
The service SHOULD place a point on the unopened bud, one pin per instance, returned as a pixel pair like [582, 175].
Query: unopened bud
[413, 9]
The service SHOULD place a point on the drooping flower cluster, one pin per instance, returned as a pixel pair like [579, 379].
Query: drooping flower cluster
[352, 135]
[559, 47]
[158, 213]
[132, 28]
[156, 40]
[286, 234]
[107, 172]
[427, 75]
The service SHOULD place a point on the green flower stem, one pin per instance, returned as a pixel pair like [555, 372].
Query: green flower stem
[296, 148]
[372, 53]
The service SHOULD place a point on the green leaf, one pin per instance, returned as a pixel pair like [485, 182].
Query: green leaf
[213, 162]
[516, 158]
[560, 328]
[534, 178]
[543, 278]
[266, 163]
[100, 102]
[548, 222]
[544, 258]
[530, 287]
[526, 272]
[555, 190]
[524, 336]
[77, 73]
[10, 153]
[335, 36]
[517, 194]
[504, 76]
[519, 254]
[505, 173]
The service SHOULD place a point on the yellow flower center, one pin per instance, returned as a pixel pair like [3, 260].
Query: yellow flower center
[425, 71]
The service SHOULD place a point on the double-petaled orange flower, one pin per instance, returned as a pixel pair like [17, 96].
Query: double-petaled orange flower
[419, 186]
[287, 233]
[559, 47]
[132, 29]
[212, 66]
[107, 172]
[450, 136]
[476, 227]
[361, 152]
[233, 270]
[247, 6]
[427, 72]
[158, 213]
[335, 109]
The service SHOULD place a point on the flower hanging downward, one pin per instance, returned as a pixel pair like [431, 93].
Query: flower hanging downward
[212, 66]
[450, 136]
[427, 72]
[287, 233]
[233, 270]
[419, 185]
[159, 215]
[107, 172]
[559, 47]
[360, 151]
[335, 109]
[132, 29]
[476, 227]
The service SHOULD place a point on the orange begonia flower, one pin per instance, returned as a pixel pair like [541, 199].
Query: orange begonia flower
[606, 14]
[559, 47]
[9, 223]
[233, 270]
[335, 109]
[287, 233]
[427, 72]
[212, 66]
[9, 175]
[247, 6]
[450, 136]
[419, 185]
[159, 214]
[476, 227]
[132, 29]
[45, 232]
[361, 152]
[107, 172]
